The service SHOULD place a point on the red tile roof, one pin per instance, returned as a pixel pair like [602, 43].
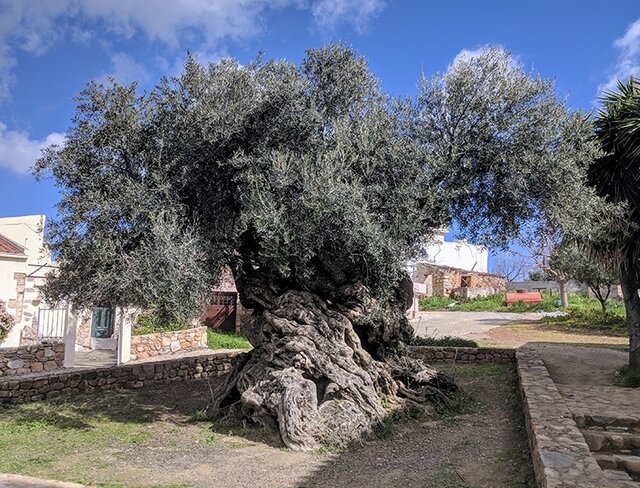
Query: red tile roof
[8, 246]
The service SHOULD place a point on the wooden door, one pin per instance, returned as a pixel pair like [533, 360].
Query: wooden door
[221, 314]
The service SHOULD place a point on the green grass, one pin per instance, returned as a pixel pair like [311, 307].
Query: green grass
[446, 341]
[34, 438]
[495, 303]
[590, 320]
[225, 340]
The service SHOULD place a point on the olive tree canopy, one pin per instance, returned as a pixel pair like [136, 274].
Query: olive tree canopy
[305, 180]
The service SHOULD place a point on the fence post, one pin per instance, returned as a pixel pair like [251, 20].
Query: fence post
[124, 338]
[69, 339]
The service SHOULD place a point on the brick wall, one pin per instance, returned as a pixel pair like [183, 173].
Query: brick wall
[41, 386]
[150, 345]
[31, 359]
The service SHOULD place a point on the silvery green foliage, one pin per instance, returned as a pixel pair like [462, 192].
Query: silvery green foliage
[505, 152]
[6, 321]
[306, 171]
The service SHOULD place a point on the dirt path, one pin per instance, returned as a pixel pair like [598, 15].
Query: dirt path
[465, 324]
[568, 364]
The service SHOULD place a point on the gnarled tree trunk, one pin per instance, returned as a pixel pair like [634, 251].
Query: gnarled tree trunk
[324, 368]
[629, 283]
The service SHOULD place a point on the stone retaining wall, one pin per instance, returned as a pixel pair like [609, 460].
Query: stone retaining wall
[39, 386]
[433, 354]
[561, 457]
[45, 356]
[150, 345]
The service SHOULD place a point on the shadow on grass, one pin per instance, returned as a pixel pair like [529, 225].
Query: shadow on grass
[173, 402]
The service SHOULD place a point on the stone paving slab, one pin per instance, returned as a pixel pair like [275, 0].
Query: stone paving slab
[603, 405]
[18, 481]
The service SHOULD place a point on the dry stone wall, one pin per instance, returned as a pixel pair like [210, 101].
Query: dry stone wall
[150, 345]
[46, 356]
[40, 386]
[432, 354]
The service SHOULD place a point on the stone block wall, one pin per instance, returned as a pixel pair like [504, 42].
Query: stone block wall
[40, 386]
[150, 345]
[433, 354]
[31, 359]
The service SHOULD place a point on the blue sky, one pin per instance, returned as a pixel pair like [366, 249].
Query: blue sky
[49, 49]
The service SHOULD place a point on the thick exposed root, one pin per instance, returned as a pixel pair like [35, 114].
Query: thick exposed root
[310, 378]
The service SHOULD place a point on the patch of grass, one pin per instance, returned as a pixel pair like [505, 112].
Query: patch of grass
[590, 320]
[35, 437]
[210, 438]
[446, 341]
[199, 416]
[495, 303]
[627, 377]
[225, 340]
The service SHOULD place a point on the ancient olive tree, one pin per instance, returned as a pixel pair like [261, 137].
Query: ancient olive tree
[615, 176]
[506, 156]
[305, 180]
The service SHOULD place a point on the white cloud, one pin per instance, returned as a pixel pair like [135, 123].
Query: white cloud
[18, 152]
[628, 62]
[34, 25]
[126, 70]
[467, 54]
[329, 14]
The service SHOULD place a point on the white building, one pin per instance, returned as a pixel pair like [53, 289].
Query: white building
[456, 254]
[23, 263]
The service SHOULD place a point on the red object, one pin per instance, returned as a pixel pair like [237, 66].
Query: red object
[529, 298]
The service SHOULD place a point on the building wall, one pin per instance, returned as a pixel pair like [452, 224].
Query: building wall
[19, 277]
[457, 254]
[445, 281]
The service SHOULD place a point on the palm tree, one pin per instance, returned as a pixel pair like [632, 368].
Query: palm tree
[616, 176]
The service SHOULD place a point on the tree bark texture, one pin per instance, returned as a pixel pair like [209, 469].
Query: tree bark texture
[564, 297]
[324, 371]
[629, 284]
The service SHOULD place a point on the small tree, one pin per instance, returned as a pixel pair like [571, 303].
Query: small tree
[577, 263]
[6, 322]
[511, 266]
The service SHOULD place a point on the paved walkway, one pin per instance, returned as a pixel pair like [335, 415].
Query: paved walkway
[608, 415]
[465, 324]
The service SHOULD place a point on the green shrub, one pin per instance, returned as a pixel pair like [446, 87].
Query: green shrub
[6, 321]
[627, 377]
[148, 323]
[446, 341]
[225, 340]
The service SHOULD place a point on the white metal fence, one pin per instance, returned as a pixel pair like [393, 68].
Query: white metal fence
[51, 323]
